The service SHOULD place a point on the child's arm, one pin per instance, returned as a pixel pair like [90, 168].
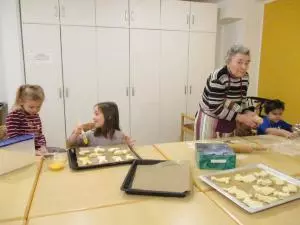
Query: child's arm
[280, 132]
[73, 139]
[12, 123]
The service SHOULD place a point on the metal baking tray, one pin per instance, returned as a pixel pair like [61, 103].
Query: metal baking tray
[74, 154]
[246, 170]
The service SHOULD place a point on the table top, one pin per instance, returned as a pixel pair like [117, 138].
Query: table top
[195, 209]
[16, 222]
[284, 214]
[16, 189]
[67, 190]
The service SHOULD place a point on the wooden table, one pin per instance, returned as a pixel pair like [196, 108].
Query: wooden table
[17, 222]
[287, 214]
[16, 190]
[183, 151]
[193, 210]
[66, 191]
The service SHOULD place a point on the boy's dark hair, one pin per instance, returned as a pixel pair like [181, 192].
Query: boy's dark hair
[111, 119]
[273, 104]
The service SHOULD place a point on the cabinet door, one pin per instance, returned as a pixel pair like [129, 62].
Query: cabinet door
[79, 69]
[43, 67]
[144, 72]
[77, 12]
[37, 11]
[173, 83]
[201, 64]
[175, 15]
[145, 14]
[113, 70]
[204, 17]
[112, 13]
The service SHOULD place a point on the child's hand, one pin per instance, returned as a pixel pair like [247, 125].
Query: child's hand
[78, 130]
[129, 141]
[41, 151]
[290, 135]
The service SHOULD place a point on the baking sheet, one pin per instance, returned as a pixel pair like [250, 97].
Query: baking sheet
[247, 170]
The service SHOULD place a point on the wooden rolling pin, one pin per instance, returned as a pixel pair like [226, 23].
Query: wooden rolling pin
[241, 148]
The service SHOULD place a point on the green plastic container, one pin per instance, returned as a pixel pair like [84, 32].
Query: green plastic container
[214, 156]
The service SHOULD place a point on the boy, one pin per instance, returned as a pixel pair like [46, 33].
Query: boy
[273, 123]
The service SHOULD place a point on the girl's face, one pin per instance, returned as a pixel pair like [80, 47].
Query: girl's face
[32, 107]
[275, 115]
[239, 65]
[98, 117]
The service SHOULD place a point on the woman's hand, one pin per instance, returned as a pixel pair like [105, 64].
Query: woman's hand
[248, 119]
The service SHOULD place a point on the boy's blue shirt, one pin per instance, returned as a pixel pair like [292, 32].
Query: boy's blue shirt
[267, 123]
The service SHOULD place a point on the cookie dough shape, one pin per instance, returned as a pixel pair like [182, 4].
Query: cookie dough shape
[277, 181]
[99, 150]
[290, 188]
[119, 152]
[253, 203]
[102, 159]
[266, 199]
[280, 194]
[264, 182]
[261, 174]
[239, 194]
[224, 180]
[246, 179]
[84, 152]
[113, 149]
[129, 157]
[263, 190]
[117, 158]
[85, 161]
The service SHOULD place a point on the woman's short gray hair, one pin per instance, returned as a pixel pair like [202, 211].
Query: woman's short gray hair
[235, 49]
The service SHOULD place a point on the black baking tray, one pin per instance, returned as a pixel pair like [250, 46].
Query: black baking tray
[72, 158]
[127, 183]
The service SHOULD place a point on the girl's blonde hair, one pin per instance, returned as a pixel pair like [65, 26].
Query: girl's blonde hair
[28, 92]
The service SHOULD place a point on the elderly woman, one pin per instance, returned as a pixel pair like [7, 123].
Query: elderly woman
[223, 101]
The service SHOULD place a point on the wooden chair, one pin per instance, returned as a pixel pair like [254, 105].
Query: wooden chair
[2, 132]
[186, 127]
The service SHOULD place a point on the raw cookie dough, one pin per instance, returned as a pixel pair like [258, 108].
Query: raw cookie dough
[266, 199]
[280, 194]
[129, 157]
[117, 158]
[264, 182]
[112, 149]
[102, 159]
[277, 181]
[225, 180]
[85, 161]
[289, 188]
[99, 150]
[239, 194]
[253, 203]
[83, 152]
[246, 179]
[261, 174]
[263, 190]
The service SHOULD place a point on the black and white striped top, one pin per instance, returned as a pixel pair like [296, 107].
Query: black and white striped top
[224, 95]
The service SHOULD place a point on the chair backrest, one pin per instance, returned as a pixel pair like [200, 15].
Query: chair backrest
[2, 132]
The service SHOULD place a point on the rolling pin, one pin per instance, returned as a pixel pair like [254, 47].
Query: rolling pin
[241, 148]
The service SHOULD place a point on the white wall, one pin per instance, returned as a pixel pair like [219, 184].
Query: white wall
[246, 30]
[11, 62]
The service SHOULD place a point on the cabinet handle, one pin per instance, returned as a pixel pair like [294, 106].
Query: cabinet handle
[193, 19]
[133, 91]
[59, 93]
[56, 11]
[67, 92]
[63, 11]
[131, 16]
[190, 89]
[126, 15]
[127, 91]
[185, 89]
[187, 18]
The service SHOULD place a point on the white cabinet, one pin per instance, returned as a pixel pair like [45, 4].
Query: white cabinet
[203, 17]
[79, 74]
[77, 12]
[173, 81]
[175, 15]
[201, 64]
[112, 13]
[43, 67]
[113, 70]
[144, 72]
[145, 14]
[37, 11]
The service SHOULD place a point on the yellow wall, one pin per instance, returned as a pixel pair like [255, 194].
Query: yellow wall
[280, 56]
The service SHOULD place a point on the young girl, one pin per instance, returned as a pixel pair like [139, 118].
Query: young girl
[24, 117]
[106, 128]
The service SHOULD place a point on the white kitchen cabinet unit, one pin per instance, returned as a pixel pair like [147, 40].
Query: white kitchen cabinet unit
[203, 17]
[201, 64]
[43, 67]
[37, 11]
[173, 83]
[144, 78]
[175, 15]
[113, 70]
[145, 14]
[77, 12]
[79, 74]
[112, 13]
